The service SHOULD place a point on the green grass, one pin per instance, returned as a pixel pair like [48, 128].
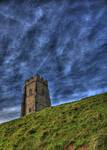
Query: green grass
[82, 123]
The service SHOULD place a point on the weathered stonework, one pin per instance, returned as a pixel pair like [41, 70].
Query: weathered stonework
[36, 95]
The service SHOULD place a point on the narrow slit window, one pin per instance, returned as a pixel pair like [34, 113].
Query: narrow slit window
[29, 110]
[30, 92]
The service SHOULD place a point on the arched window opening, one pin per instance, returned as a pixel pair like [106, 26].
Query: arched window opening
[30, 110]
[30, 92]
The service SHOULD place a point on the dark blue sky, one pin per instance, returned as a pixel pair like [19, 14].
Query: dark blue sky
[65, 41]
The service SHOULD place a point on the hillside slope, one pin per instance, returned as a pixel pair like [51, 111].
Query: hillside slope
[79, 125]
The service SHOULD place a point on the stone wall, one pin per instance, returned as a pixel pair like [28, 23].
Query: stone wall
[36, 95]
[30, 97]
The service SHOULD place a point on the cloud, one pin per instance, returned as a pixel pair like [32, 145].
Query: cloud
[9, 113]
[11, 109]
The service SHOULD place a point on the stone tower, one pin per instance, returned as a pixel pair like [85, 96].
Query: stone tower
[36, 95]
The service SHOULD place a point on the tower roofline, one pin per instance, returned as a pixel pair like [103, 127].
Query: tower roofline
[36, 78]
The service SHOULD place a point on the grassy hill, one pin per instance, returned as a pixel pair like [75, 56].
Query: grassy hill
[78, 124]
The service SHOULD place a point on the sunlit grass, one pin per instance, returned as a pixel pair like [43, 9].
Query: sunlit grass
[82, 122]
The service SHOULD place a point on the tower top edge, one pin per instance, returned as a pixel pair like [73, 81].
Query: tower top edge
[36, 78]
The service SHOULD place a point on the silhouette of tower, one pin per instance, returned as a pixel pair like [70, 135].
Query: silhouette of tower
[36, 95]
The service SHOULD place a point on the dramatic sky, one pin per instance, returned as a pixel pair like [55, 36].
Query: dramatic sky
[65, 41]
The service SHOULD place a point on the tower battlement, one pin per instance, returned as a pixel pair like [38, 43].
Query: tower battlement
[36, 78]
[35, 95]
